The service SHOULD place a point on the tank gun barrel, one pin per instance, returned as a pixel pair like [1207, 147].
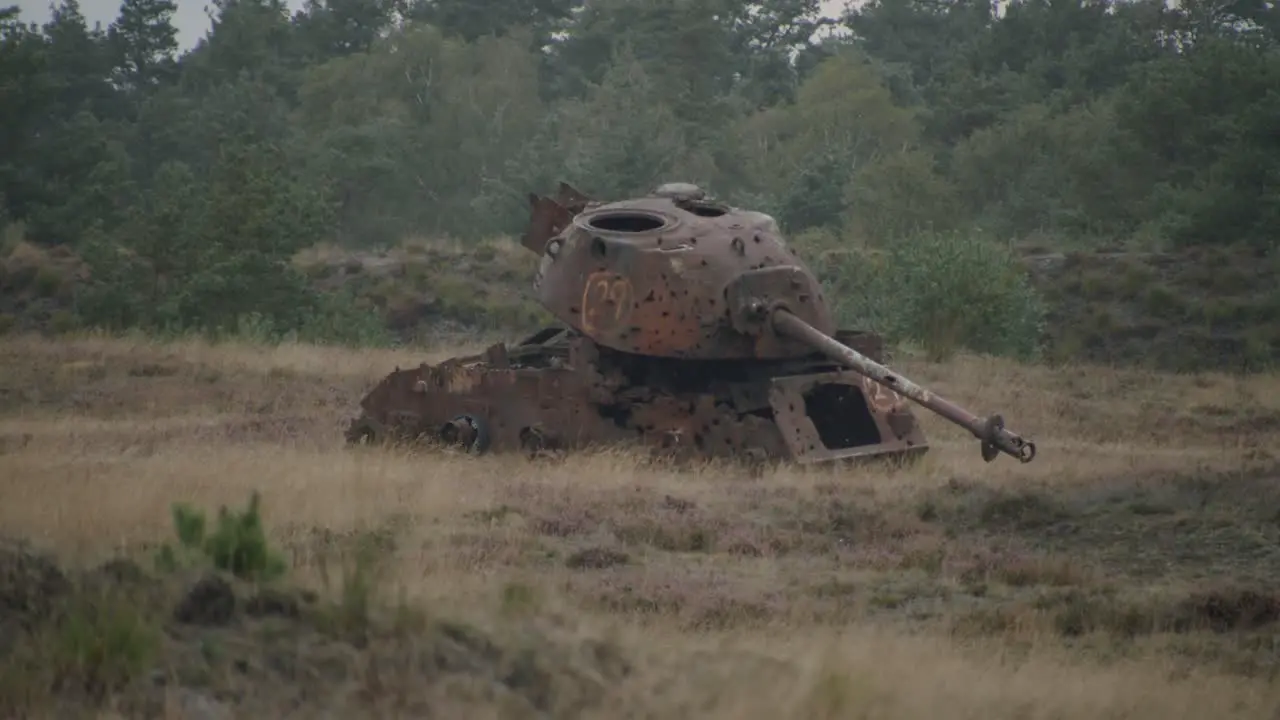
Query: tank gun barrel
[990, 430]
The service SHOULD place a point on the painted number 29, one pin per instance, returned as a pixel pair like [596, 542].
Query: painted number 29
[606, 298]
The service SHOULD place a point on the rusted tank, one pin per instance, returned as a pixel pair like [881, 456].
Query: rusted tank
[687, 326]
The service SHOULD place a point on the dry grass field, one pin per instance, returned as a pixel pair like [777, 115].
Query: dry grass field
[1131, 571]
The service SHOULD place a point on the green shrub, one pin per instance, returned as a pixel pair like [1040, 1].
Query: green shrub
[238, 543]
[942, 290]
[340, 319]
[63, 321]
[334, 319]
[11, 234]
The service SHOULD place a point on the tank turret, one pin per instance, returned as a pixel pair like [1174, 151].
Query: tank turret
[657, 275]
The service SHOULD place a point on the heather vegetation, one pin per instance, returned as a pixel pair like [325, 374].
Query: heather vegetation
[201, 545]
[1125, 151]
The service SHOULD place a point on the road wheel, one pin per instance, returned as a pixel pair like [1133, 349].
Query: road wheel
[466, 432]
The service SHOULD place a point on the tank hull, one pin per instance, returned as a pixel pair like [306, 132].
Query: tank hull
[559, 391]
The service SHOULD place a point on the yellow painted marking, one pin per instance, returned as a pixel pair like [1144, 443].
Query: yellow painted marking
[606, 297]
[880, 397]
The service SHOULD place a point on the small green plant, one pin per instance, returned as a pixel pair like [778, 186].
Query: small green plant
[1163, 301]
[11, 235]
[63, 321]
[238, 543]
[48, 282]
[254, 328]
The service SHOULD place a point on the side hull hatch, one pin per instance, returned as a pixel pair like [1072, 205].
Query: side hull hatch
[838, 415]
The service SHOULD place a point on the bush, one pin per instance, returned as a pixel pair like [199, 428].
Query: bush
[943, 290]
[238, 544]
[333, 319]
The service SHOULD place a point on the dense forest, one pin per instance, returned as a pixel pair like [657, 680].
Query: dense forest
[1099, 178]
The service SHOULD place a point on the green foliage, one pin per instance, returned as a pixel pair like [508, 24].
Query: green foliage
[644, 143]
[805, 153]
[62, 322]
[898, 194]
[943, 290]
[214, 256]
[47, 282]
[104, 642]
[1220, 174]
[97, 641]
[1062, 173]
[188, 180]
[11, 233]
[335, 319]
[237, 543]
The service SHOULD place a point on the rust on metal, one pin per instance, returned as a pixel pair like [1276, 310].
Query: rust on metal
[685, 325]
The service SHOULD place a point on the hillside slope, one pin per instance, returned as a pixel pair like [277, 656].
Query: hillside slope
[1195, 309]
[419, 286]
[1198, 308]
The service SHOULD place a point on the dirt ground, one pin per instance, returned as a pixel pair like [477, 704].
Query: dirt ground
[1131, 571]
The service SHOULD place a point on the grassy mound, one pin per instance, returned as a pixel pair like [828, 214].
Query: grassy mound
[37, 287]
[1193, 309]
[420, 287]
[214, 632]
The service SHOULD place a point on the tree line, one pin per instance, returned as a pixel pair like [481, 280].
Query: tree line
[930, 132]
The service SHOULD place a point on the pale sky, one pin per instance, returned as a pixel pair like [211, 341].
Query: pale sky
[191, 20]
